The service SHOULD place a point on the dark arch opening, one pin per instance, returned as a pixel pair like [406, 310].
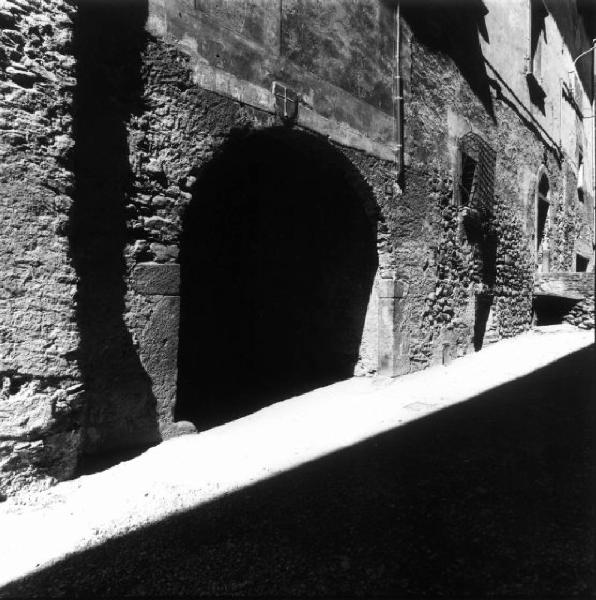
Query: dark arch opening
[551, 310]
[278, 257]
[542, 207]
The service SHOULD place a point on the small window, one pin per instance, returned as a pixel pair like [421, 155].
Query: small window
[538, 14]
[543, 207]
[475, 172]
[468, 179]
[581, 263]
[580, 163]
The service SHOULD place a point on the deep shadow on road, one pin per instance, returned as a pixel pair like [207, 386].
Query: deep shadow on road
[492, 497]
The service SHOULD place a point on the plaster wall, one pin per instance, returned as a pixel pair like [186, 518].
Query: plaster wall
[507, 50]
[337, 57]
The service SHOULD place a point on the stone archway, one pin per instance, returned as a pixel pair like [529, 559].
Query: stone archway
[542, 207]
[278, 259]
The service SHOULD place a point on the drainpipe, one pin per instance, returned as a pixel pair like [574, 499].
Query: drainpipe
[593, 182]
[398, 99]
[560, 115]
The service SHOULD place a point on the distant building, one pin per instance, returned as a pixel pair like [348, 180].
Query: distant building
[210, 205]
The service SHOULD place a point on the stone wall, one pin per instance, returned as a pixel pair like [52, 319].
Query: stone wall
[175, 130]
[108, 43]
[90, 338]
[582, 314]
[102, 199]
[41, 384]
[449, 93]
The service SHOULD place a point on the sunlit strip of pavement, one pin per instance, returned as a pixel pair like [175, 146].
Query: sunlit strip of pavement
[184, 472]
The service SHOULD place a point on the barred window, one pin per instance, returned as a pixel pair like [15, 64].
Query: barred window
[476, 175]
[474, 194]
[468, 178]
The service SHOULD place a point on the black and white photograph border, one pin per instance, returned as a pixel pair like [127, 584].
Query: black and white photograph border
[297, 298]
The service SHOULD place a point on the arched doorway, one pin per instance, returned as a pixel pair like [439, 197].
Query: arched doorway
[278, 258]
[542, 209]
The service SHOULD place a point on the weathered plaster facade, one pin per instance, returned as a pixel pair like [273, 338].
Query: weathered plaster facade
[211, 198]
[483, 90]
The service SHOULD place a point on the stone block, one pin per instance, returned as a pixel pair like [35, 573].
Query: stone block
[156, 279]
[163, 253]
[566, 285]
[170, 430]
[25, 413]
[159, 354]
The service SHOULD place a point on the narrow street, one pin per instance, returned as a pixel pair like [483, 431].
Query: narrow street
[297, 299]
[493, 496]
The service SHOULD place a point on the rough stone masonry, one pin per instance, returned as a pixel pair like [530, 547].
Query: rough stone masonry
[178, 250]
[40, 401]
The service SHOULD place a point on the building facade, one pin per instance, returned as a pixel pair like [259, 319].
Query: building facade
[211, 205]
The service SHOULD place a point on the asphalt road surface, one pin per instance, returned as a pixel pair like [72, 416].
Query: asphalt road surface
[492, 497]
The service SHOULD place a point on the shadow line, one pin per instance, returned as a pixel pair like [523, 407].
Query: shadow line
[493, 497]
[453, 28]
[108, 41]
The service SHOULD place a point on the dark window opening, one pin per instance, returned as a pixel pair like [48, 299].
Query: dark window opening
[277, 261]
[543, 186]
[580, 175]
[467, 181]
[580, 195]
[581, 263]
[538, 14]
[537, 39]
[543, 207]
